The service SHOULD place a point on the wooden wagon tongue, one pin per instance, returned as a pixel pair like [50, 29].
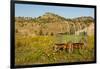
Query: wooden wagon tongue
[61, 44]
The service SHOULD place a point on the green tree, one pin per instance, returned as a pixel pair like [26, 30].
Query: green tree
[52, 33]
[40, 32]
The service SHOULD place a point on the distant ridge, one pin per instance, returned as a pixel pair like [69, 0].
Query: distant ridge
[54, 23]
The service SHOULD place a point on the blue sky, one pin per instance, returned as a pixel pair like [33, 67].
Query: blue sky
[38, 10]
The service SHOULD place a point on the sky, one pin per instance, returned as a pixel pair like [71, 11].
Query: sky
[32, 10]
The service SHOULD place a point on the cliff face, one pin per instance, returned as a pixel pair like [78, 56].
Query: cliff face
[50, 23]
[89, 30]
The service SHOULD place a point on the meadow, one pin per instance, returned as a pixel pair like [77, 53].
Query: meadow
[39, 50]
[35, 39]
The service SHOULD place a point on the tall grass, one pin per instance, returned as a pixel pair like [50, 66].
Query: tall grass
[39, 50]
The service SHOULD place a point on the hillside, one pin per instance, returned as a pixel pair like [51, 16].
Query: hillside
[51, 23]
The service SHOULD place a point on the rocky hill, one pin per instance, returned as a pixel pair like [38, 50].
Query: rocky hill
[51, 24]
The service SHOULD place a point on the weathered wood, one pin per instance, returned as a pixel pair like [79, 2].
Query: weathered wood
[68, 46]
[63, 46]
[77, 45]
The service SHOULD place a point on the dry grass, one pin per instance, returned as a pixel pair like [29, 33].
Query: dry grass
[39, 50]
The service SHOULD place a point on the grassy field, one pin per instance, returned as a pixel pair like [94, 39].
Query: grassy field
[39, 50]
